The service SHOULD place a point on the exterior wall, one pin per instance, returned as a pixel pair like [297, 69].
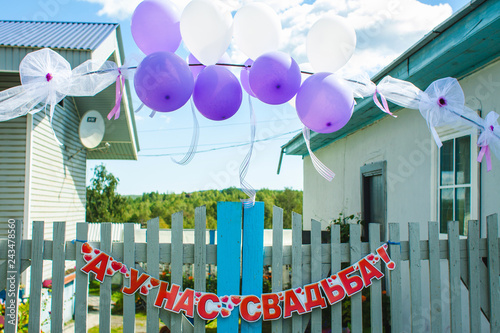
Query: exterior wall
[408, 171]
[12, 171]
[57, 173]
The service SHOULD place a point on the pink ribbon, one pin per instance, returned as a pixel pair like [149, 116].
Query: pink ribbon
[120, 83]
[485, 150]
[384, 106]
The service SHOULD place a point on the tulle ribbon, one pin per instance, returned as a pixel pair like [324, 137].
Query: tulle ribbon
[46, 78]
[489, 139]
[384, 106]
[120, 84]
[442, 102]
[194, 140]
[245, 186]
[322, 169]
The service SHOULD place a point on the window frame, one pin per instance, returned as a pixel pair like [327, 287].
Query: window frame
[448, 133]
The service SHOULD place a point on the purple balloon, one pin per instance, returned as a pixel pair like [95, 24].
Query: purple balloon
[156, 26]
[245, 72]
[195, 69]
[324, 104]
[163, 81]
[217, 93]
[275, 78]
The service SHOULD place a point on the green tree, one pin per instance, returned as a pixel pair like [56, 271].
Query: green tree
[104, 204]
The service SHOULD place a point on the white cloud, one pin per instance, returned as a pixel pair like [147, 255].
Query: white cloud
[138, 118]
[384, 28]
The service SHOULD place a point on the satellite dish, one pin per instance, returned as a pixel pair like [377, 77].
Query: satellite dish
[91, 129]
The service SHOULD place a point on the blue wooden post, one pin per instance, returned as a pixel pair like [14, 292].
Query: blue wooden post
[228, 258]
[253, 258]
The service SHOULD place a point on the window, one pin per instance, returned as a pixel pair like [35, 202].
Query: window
[455, 183]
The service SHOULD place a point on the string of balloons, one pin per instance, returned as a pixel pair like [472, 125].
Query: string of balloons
[164, 82]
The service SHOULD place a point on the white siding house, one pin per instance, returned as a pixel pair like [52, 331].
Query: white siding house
[39, 179]
[390, 170]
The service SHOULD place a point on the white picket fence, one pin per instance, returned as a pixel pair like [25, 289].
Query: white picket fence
[309, 263]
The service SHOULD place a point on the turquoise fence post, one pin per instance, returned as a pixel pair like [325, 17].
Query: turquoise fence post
[228, 259]
[253, 259]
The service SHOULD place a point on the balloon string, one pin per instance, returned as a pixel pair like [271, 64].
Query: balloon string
[322, 169]
[103, 71]
[245, 186]
[194, 140]
[139, 108]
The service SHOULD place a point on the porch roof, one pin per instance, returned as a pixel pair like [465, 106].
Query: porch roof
[467, 41]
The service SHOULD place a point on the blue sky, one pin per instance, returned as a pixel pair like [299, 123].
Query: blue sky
[383, 32]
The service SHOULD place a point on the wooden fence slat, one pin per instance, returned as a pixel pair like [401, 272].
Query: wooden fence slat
[417, 315]
[435, 278]
[474, 305]
[58, 267]
[316, 322]
[36, 276]
[296, 265]
[129, 261]
[228, 258]
[177, 262]
[277, 261]
[252, 258]
[493, 271]
[355, 255]
[153, 269]
[376, 287]
[200, 259]
[455, 283]
[395, 278]
[81, 281]
[12, 270]
[336, 309]
[105, 288]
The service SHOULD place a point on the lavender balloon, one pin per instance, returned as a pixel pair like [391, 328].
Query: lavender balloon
[324, 104]
[163, 81]
[156, 26]
[244, 77]
[275, 78]
[217, 93]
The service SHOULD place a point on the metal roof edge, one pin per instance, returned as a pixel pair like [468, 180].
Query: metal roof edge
[69, 22]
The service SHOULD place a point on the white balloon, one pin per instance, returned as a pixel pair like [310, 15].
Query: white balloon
[257, 29]
[330, 43]
[206, 29]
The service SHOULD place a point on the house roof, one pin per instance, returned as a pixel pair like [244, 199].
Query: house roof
[467, 41]
[55, 35]
[76, 42]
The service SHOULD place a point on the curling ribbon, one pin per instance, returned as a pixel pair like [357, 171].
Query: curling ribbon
[322, 169]
[384, 106]
[120, 83]
[245, 186]
[194, 140]
[485, 151]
